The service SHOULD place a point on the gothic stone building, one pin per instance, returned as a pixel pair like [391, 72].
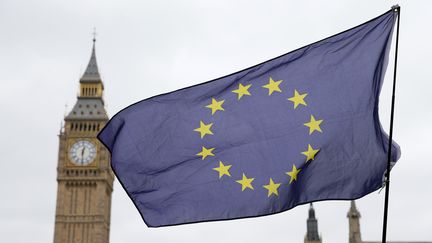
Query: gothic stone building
[84, 176]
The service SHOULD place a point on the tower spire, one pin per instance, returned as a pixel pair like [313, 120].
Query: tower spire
[354, 224]
[90, 103]
[312, 235]
[91, 74]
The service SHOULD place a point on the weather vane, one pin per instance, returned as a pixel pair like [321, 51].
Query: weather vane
[94, 34]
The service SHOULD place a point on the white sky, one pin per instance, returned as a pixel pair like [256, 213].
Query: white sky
[146, 48]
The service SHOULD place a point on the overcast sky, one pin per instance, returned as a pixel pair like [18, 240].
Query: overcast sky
[146, 48]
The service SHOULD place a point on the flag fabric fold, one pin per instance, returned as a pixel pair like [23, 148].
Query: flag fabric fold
[299, 128]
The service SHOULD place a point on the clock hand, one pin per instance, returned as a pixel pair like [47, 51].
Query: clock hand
[82, 155]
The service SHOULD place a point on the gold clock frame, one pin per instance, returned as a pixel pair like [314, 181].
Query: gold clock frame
[92, 164]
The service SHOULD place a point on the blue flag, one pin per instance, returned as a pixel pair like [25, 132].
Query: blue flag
[299, 128]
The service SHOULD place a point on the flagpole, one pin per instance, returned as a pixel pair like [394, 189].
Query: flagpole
[396, 9]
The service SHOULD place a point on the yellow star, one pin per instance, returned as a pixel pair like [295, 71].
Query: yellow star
[246, 182]
[206, 152]
[272, 188]
[293, 173]
[242, 90]
[273, 86]
[223, 169]
[216, 105]
[204, 129]
[298, 99]
[310, 153]
[313, 125]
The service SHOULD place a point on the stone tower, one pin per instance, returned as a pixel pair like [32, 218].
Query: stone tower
[312, 228]
[84, 176]
[354, 224]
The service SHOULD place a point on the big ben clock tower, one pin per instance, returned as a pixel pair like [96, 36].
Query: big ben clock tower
[85, 179]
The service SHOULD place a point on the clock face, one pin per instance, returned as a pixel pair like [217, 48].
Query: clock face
[82, 152]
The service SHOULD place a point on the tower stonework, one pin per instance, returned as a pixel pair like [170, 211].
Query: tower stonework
[312, 235]
[354, 224]
[84, 176]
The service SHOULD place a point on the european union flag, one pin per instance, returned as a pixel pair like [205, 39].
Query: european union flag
[299, 128]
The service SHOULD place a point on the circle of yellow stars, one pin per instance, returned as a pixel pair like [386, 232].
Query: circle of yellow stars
[297, 99]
